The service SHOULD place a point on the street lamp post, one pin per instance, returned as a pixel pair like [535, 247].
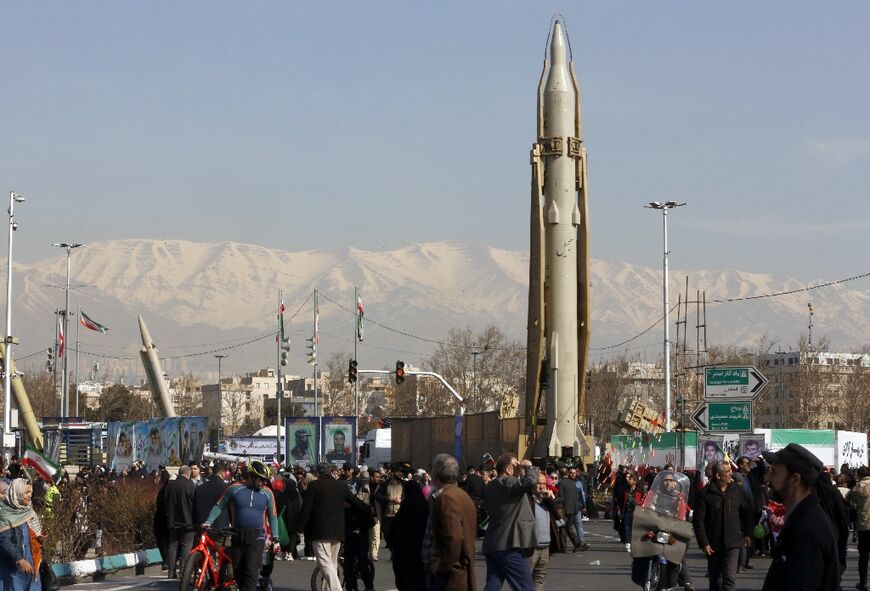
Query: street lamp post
[474, 354]
[8, 436]
[664, 207]
[69, 246]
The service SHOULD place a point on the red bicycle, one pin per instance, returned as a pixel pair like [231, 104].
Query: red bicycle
[208, 564]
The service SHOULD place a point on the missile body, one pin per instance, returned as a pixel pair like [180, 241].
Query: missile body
[558, 329]
[154, 372]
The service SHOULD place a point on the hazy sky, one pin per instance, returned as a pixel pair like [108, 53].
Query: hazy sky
[378, 124]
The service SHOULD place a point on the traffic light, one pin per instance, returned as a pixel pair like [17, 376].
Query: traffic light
[352, 371]
[312, 350]
[49, 364]
[400, 372]
[285, 350]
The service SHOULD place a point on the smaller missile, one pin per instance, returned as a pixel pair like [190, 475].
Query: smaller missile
[154, 372]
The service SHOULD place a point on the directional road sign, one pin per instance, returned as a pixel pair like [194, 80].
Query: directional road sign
[724, 417]
[732, 383]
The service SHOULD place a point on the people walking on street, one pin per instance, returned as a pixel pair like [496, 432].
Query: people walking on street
[159, 527]
[859, 500]
[209, 493]
[545, 510]
[179, 519]
[20, 550]
[323, 521]
[572, 502]
[358, 522]
[251, 507]
[451, 531]
[632, 497]
[753, 480]
[390, 496]
[510, 535]
[406, 539]
[805, 553]
[723, 521]
[376, 479]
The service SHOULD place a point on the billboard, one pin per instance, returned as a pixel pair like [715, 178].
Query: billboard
[338, 437]
[301, 444]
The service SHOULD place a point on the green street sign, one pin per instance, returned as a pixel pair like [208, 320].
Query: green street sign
[724, 417]
[732, 383]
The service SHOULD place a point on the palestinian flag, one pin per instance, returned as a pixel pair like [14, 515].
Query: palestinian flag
[360, 313]
[92, 324]
[45, 467]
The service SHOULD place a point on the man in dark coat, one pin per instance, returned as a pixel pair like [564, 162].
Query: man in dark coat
[805, 553]
[723, 522]
[406, 539]
[208, 493]
[571, 503]
[179, 518]
[753, 476]
[322, 520]
[448, 543]
[510, 534]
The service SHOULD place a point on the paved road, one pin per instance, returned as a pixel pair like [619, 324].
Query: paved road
[567, 571]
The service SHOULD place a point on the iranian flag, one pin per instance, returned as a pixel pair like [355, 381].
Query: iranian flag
[45, 467]
[360, 313]
[92, 324]
[60, 339]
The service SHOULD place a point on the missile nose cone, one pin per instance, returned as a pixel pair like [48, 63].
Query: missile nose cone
[557, 45]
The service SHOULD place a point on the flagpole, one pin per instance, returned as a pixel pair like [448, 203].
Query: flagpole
[356, 350]
[316, 338]
[56, 351]
[279, 392]
[78, 328]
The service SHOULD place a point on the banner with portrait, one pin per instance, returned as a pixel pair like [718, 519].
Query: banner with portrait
[120, 437]
[338, 437]
[192, 433]
[751, 445]
[711, 450]
[301, 442]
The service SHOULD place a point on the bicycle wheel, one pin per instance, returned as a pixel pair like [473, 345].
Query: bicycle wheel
[191, 574]
[318, 581]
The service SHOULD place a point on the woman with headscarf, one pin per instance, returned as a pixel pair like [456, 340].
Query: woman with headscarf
[20, 530]
[406, 539]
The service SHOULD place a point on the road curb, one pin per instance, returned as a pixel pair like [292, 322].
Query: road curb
[71, 572]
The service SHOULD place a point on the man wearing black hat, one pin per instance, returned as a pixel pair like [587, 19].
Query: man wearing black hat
[805, 554]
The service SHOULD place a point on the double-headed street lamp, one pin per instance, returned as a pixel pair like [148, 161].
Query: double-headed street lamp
[64, 397]
[7, 358]
[664, 207]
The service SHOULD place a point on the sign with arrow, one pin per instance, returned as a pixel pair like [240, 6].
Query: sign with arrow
[724, 417]
[732, 383]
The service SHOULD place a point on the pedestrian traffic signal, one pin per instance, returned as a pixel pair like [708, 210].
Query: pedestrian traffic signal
[400, 372]
[285, 350]
[352, 371]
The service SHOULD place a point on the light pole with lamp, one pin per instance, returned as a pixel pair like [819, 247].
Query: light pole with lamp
[8, 436]
[69, 246]
[664, 207]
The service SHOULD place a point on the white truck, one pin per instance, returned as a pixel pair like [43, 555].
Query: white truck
[378, 448]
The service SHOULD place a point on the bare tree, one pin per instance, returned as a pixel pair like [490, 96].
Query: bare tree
[233, 406]
[41, 392]
[337, 392]
[188, 396]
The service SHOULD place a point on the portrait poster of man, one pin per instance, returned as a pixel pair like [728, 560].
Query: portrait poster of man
[710, 451]
[339, 440]
[751, 445]
[121, 444]
[192, 432]
[301, 441]
[169, 436]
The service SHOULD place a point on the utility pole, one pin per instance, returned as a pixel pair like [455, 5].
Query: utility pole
[664, 207]
[8, 435]
[68, 246]
[357, 337]
[78, 330]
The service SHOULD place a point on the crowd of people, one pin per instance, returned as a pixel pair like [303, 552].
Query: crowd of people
[780, 504]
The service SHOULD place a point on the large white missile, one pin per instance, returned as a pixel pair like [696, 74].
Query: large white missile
[153, 372]
[558, 321]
